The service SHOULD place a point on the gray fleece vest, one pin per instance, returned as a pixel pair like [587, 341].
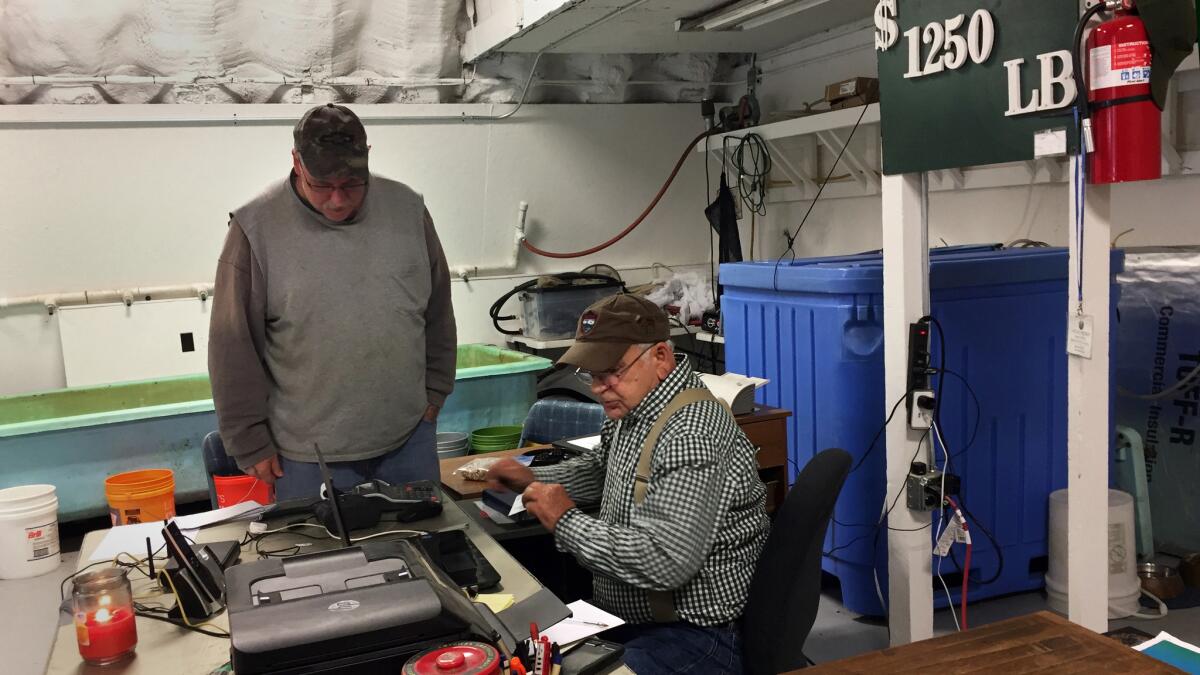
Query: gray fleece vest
[345, 320]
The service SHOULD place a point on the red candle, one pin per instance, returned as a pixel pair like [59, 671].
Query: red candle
[105, 636]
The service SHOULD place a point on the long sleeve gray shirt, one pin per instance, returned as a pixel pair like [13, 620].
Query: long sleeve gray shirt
[338, 333]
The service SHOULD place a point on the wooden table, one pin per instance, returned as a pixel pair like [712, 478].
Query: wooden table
[1035, 643]
[765, 427]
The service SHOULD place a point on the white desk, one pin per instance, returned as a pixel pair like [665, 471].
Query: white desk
[163, 648]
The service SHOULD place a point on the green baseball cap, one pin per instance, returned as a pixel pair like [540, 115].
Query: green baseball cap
[332, 142]
[608, 328]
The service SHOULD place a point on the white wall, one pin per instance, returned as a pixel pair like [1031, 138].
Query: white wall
[1162, 212]
[132, 201]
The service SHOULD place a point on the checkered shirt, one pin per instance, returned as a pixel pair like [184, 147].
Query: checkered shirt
[701, 527]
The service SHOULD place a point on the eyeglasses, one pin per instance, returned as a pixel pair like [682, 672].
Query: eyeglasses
[326, 190]
[608, 377]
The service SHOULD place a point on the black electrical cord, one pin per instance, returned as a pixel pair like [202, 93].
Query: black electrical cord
[1081, 100]
[975, 522]
[568, 277]
[878, 525]
[158, 617]
[978, 413]
[791, 238]
[879, 433]
[754, 191]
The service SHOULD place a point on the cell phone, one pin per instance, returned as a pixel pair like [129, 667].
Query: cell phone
[593, 655]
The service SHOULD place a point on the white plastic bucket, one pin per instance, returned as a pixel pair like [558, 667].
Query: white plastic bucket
[28, 531]
[1124, 590]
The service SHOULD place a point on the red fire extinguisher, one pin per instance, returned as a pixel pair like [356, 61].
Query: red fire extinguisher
[1126, 124]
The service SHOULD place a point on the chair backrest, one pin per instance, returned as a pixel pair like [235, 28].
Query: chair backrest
[786, 588]
[551, 419]
[216, 463]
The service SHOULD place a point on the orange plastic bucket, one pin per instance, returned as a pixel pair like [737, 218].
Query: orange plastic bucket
[237, 489]
[140, 496]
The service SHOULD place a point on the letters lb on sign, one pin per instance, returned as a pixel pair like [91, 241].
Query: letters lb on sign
[972, 82]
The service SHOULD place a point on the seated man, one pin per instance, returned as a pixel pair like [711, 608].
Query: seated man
[682, 515]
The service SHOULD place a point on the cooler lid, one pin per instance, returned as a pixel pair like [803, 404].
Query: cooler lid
[950, 267]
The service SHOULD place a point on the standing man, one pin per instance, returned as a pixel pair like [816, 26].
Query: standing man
[682, 515]
[331, 323]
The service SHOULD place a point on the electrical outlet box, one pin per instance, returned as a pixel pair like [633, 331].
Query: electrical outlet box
[920, 413]
[924, 491]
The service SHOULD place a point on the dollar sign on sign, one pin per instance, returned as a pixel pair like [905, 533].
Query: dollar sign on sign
[887, 31]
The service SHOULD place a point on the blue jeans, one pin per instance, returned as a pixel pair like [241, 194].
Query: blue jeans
[415, 460]
[680, 647]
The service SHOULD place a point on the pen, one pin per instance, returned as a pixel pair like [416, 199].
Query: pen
[589, 623]
[556, 659]
[533, 631]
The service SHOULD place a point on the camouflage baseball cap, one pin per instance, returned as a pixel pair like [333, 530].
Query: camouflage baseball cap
[332, 142]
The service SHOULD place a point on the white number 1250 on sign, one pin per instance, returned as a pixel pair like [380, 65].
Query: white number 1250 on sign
[948, 50]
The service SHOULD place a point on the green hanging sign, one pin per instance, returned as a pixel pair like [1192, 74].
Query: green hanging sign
[974, 82]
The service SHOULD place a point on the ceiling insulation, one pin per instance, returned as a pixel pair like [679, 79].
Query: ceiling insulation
[296, 51]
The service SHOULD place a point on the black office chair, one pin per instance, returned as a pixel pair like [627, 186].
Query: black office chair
[786, 588]
[216, 463]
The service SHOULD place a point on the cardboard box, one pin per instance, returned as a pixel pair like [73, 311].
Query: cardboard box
[853, 92]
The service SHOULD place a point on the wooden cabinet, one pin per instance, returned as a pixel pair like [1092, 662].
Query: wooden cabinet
[767, 430]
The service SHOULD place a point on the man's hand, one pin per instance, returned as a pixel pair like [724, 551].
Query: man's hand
[547, 503]
[431, 413]
[509, 474]
[267, 470]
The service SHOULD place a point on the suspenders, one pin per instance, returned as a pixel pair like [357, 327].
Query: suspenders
[662, 603]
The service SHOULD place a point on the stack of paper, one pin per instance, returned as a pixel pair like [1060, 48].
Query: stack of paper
[585, 621]
[1171, 650]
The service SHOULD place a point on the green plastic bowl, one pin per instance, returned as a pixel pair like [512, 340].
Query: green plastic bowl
[491, 439]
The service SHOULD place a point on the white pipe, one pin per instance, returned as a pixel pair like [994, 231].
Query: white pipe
[52, 301]
[465, 272]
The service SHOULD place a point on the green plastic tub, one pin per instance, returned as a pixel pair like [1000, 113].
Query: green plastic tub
[75, 438]
[492, 387]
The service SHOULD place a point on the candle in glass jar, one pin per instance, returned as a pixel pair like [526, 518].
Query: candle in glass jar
[105, 635]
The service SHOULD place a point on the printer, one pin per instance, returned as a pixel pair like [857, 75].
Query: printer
[362, 609]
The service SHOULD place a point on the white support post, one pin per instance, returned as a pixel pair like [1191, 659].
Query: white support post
[1089, 430]
[905, 299]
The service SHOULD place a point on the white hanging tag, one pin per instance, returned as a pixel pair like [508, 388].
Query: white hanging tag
[1079, 336]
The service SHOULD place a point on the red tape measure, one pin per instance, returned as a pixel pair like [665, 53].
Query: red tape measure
[459, 658]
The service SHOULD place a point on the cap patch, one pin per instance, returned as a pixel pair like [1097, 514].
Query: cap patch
[587, 323]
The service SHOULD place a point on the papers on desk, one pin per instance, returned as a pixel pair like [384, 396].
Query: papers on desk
[1173, 651]
[585, 621]
[518, 506]
[244, 511]
[131, 539]
[587, 443]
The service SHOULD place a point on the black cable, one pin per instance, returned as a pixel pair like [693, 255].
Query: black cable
[879, 433]
[978, 412]
[712, 270]
[1081, 101]
[174, 622]
[987, 533]
[883, 518]
[754, 192]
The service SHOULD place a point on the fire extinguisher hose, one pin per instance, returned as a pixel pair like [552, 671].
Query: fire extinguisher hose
[1082, 95]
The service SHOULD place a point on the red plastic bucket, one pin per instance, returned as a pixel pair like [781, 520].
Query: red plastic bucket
[237, 489]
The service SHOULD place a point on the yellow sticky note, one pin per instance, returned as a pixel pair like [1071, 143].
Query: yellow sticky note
[496, 602]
